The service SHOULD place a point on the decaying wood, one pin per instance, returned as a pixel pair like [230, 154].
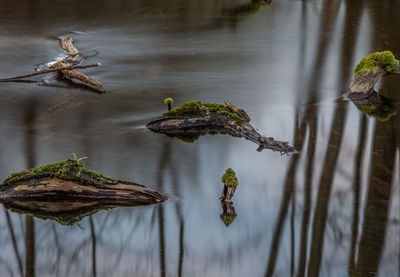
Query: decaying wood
[240, 112]
[54, 188]
[70, 180]
[68, 202]
[73, 74]
[227, 193]
[50, 70]
[211, 122]
[364, 83]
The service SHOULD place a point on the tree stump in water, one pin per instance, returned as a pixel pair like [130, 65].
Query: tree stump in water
[194, 118]
[370, 70]
[230, 184]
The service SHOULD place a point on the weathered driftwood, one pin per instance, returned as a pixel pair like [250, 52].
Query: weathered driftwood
[65, 68]
[73, 74]
[50, 70]
[69, 180]
[207, 121]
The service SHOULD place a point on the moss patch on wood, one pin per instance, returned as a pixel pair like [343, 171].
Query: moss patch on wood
[193, 107]
[229, 178]
[378, 61]
[69, 170]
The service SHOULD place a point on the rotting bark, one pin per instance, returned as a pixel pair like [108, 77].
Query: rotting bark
[69, 180]
[206, 121]
[65, 67]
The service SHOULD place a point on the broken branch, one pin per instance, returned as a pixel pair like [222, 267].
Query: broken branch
[48, 71]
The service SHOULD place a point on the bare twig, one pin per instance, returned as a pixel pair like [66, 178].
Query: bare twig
[48, 71]
[86, 51]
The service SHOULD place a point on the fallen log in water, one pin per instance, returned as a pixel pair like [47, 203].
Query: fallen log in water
[69, 180]
[370, 70]
[194, 118]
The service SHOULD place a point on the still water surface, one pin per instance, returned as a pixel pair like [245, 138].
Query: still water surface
[330, 210]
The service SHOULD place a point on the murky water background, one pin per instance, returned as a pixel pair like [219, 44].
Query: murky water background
[331, 210]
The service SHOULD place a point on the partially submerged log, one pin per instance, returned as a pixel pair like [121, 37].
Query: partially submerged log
[194, 118]
[69, 180]
[370, 70]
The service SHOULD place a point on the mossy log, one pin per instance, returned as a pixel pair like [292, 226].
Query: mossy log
[210, 118]
[69, 180]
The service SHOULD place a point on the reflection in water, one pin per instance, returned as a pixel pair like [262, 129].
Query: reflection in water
[331, 209]
[228, 213]
[380, 107]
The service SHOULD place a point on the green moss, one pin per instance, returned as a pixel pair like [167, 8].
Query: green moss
[227, 219]
[168, 101]
[382, 113]
[229, 178]
[187, 109]
[190, 138]
[378, 61]
[70, 170]
[64, 218]
[197, 108]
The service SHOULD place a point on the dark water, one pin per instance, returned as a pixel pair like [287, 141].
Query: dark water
[331, 210]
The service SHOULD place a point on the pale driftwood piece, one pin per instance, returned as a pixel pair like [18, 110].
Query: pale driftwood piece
[45, 71]
[73, 74]
[67, 44]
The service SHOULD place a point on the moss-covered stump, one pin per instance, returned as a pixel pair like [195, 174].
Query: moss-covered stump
[370, 70]
[70, 180]
[375, 105]
[194, 118]
[230, 184]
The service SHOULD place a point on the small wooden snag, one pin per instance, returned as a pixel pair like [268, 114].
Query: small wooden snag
[230, 184]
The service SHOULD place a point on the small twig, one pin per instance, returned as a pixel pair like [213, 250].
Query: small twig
[85, 51]
[48, 71]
